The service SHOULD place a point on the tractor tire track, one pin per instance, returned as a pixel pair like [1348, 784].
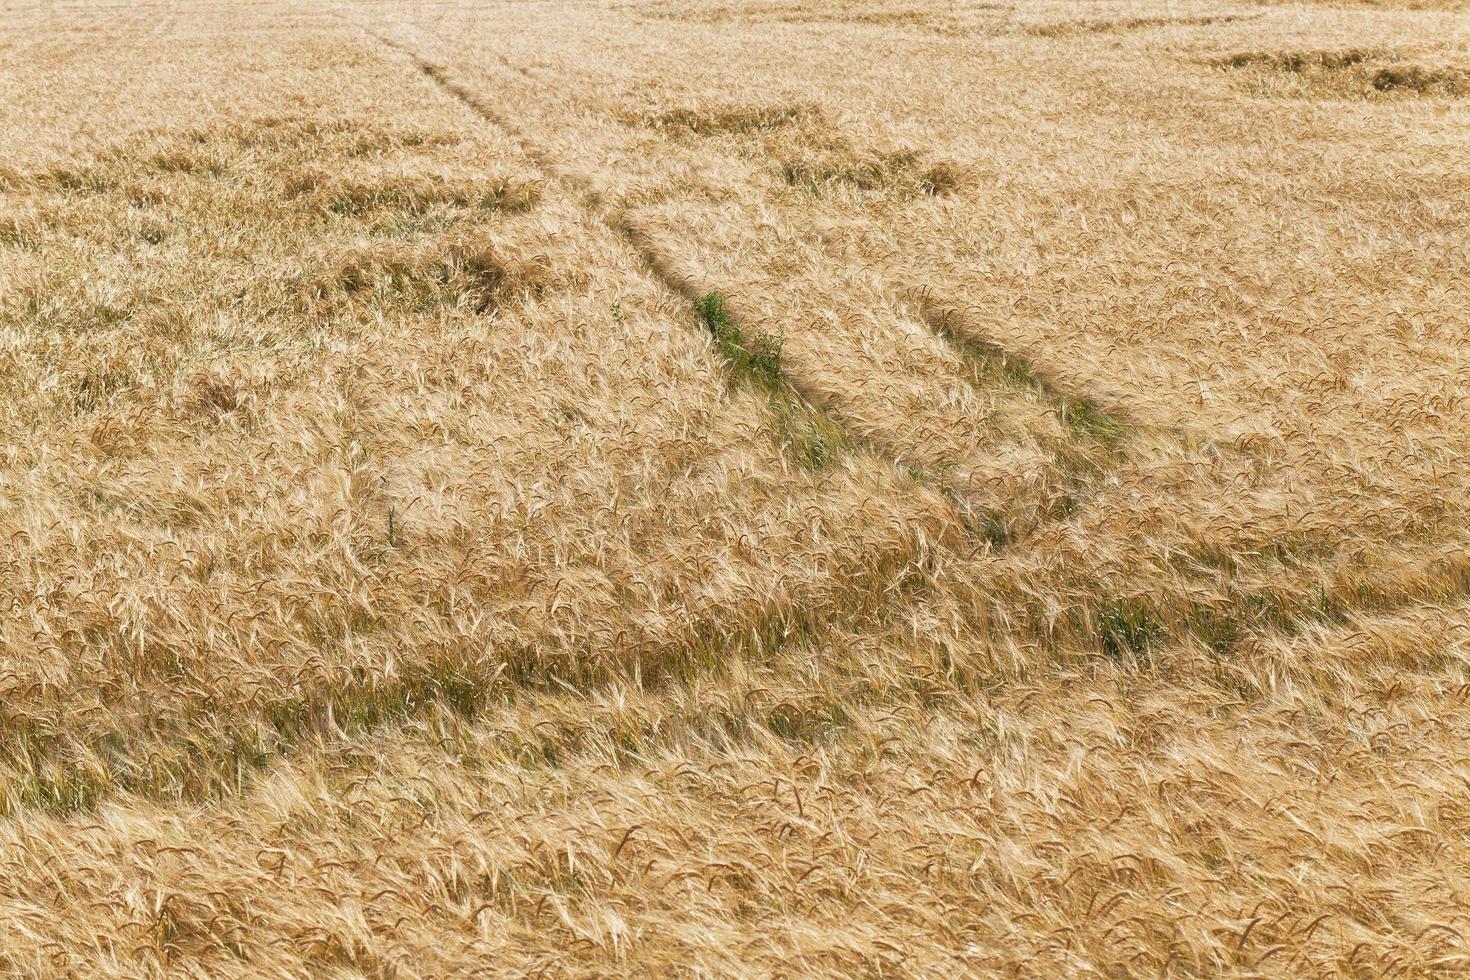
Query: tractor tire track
[1097, 433]
[982, 526]
[1097, 420]
[787, 394]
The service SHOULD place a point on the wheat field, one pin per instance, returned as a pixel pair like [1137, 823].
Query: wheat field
[735, 488]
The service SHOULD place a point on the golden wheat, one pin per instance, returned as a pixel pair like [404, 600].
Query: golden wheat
[734, 487]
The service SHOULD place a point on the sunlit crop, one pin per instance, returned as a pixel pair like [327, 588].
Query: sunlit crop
[734, 487]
